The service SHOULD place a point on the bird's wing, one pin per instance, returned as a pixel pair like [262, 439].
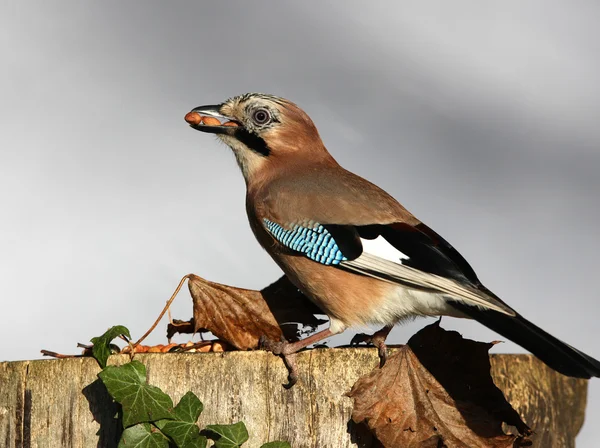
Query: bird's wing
[329, 195]
[335, 217]
[378, 267]
[397, 253]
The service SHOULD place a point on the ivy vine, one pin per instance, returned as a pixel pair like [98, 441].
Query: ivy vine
[149, 417]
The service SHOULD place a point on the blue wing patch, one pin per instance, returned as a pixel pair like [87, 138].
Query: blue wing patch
[312, 239]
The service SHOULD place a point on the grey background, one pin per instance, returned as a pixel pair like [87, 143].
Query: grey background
[482, 119]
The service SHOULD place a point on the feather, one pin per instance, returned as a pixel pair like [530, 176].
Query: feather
[323, 244]
[311, 239]
[554, 352]
[375, 266]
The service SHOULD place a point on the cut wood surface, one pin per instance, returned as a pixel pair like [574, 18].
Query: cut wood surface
[61, 403]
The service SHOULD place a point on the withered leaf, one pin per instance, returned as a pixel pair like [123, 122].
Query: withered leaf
[241, 316]
[436, 391]
[290, 306]
[238, 316]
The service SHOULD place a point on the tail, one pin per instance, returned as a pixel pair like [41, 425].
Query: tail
[555, 353]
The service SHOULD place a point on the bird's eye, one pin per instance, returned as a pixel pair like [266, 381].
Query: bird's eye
[261, 116]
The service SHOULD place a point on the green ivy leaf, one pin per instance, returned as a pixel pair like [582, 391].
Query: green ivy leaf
[184, 434]
[228, 436]
[140, 401]
[184, 431]
[141, 436]
[189, 408]
[276, 445]
[101, 348]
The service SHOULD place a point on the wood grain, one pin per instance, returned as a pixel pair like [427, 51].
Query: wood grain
[60, 403]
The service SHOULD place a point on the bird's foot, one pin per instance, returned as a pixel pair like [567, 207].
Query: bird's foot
[282, 348]
[376, 339]
[286, 351]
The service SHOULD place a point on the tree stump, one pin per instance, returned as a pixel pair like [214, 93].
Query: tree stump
[61, 403]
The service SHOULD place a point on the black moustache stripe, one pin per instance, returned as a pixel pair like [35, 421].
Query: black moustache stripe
[252, 141]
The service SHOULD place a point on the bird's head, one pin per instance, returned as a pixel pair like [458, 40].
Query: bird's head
[264, 131]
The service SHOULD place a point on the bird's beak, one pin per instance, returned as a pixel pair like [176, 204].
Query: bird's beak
[210, 119]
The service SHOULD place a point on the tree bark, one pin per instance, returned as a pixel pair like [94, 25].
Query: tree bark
[61, 403]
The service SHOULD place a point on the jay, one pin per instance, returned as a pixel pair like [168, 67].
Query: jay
[348, 245]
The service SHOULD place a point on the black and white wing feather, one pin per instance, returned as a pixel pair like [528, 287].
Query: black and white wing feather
[396, 253]
[404, 254]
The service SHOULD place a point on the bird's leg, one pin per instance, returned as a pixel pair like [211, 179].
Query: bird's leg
[285, 348]
[377, 339]
[288, 350]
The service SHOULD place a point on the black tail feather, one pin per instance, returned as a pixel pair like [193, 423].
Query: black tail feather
[555, 353]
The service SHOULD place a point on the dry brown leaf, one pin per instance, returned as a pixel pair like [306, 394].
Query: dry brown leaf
[241, 316]
[238, 316]
[291, 308]
[177, 326]
[436, 391]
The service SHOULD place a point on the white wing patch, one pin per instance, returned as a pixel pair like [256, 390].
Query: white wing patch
[382, 249]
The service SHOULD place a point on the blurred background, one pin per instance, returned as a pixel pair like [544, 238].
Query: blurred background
[482, 119]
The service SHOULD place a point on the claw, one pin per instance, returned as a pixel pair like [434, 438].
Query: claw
[382, 351]
[377, 339]
[282, 349]
[287, 351]
[290, 363]
[277, 348]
